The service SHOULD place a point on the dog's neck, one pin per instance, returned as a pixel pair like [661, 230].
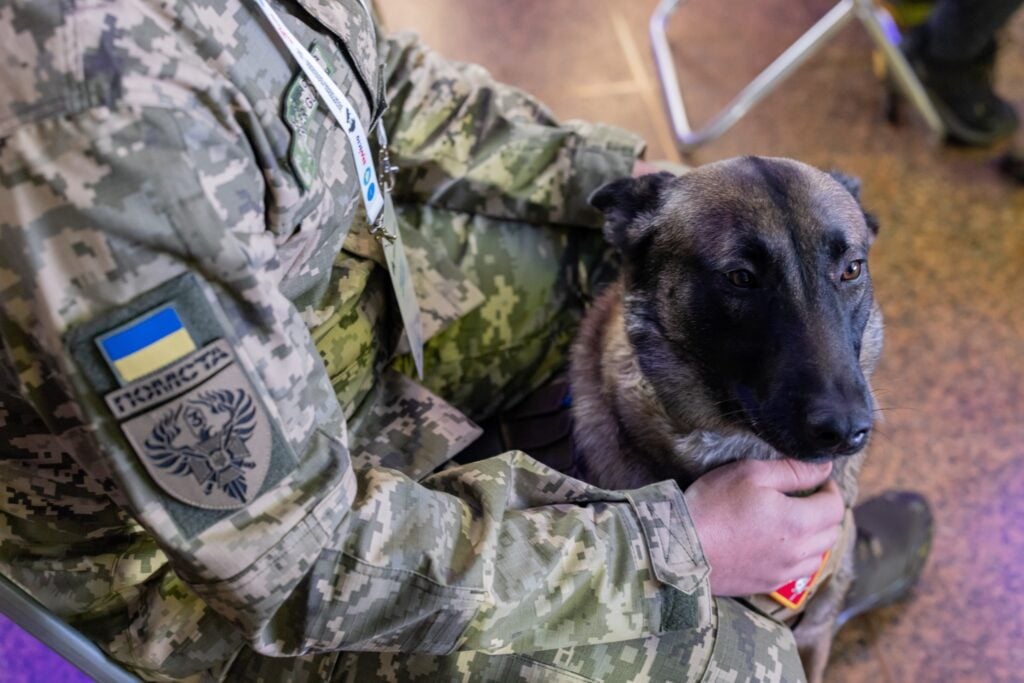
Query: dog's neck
[625, 429]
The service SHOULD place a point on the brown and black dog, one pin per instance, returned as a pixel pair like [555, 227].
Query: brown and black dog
[743, 325]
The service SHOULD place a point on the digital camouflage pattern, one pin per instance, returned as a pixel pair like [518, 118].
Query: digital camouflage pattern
[149, 155]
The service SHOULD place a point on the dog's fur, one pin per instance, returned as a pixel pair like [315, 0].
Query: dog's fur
[677, 369]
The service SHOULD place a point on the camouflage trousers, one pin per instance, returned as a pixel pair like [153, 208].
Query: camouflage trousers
[536, 281]
[741, 646]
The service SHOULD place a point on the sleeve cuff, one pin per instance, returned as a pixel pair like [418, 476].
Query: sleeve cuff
[676, 556]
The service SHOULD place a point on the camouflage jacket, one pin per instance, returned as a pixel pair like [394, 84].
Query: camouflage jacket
[177, 477]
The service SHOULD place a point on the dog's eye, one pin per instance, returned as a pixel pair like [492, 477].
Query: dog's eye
[743, 279]
[853, 270]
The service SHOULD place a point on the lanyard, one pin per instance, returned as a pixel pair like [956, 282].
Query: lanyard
[342, 110]
[380, 212]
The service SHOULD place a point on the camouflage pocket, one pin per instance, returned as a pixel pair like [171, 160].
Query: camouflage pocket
[306, 119]
[403, 426]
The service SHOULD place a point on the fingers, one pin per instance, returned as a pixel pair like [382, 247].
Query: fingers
[817, 545]
[823, 509]
[641, 167]
[806, 559]
[790, 476]
[804, 570]
[822, 515]
[755, 536]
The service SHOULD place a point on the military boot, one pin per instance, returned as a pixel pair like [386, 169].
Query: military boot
[962, 92]
[894, 535]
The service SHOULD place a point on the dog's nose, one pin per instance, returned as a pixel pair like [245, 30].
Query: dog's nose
[838, 432]
[859, 438]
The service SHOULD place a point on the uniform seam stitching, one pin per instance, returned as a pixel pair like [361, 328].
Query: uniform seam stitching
[482, 595]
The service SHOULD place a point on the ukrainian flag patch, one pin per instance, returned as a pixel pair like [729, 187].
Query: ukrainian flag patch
[146, 344]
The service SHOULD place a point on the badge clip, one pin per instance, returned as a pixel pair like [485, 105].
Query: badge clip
[380, 231]
[387, 171]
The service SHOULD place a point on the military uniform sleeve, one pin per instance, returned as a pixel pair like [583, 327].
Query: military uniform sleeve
[468, 143]
[234, 455]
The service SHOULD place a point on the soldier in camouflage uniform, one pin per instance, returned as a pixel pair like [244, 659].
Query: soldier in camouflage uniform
[213, 463]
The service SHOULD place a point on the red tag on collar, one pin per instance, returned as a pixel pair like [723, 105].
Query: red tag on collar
[793, 594]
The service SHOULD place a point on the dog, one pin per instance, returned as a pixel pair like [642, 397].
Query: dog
[743, 324]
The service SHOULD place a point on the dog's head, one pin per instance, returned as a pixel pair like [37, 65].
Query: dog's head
[749, 277]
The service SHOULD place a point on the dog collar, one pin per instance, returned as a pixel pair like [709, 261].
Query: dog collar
[793, 594]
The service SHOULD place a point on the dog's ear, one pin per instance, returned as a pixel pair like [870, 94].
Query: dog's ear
[852, 185]
[624, 203]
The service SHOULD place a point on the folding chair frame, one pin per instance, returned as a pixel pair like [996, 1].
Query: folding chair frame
[876, 20]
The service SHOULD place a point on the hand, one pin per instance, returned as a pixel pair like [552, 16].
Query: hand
[755, 537]
[641, 167]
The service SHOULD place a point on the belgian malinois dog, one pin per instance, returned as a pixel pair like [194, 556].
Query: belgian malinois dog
[743, 325]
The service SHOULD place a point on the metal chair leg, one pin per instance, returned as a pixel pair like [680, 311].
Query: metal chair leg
[796, 54]
[898, 65]
[27, 613]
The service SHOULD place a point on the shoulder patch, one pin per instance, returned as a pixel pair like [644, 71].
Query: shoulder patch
[168, 373]
[210, 446]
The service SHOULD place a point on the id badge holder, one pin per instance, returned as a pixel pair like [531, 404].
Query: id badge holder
[390, 238]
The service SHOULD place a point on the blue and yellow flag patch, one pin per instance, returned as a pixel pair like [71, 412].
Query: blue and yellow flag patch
[146, 344]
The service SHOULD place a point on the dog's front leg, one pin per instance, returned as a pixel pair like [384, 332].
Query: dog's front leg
[816, 628]
[814, 641]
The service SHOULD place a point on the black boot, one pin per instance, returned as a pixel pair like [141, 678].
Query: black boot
[894, 535]
[962, 92]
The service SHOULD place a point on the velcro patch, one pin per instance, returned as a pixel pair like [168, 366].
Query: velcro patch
[300, 105]
[211, 446]
[184, 403]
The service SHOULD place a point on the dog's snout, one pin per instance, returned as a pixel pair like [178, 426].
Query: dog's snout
[837, 431]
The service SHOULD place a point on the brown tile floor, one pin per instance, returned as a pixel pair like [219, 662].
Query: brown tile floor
[947, 267]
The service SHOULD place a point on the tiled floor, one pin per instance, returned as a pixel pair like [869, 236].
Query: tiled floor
[948, 268]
